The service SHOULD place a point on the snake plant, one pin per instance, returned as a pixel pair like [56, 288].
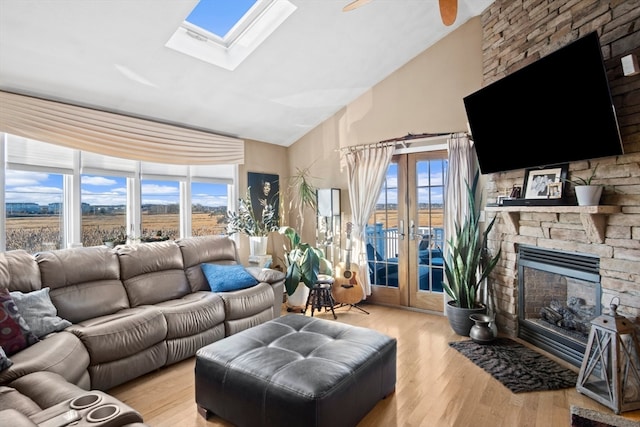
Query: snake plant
[467, 262]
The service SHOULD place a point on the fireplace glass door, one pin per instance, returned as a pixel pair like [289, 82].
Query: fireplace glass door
[559, 296]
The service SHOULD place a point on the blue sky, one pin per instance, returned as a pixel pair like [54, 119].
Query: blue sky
[219, 16]
[43, 188]
[436, 174]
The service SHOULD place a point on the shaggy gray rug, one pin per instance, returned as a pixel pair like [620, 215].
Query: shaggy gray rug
[517, 367]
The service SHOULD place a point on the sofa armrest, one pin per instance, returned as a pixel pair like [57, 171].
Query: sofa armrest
[275, 278]
[266, 275]
[11, 417]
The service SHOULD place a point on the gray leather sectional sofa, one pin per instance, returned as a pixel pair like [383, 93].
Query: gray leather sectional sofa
[133, 309]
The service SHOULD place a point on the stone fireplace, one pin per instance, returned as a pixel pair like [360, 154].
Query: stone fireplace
[559, 293]
[516, 33]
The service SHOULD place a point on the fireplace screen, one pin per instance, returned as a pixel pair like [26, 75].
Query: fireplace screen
[559, 295]
[561, 303]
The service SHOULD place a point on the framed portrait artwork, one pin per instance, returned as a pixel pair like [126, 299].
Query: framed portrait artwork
[264, 189]
[545, 183]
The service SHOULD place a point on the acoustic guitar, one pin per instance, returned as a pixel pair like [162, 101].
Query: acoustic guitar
[346, 288]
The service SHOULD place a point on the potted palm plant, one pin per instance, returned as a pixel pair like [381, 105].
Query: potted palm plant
[245, 222]
[466, 265]
[303, 194]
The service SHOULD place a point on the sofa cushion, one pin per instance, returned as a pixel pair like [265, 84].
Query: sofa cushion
[105, 376]
[39, 312]
[47, 388]
[84, 282]
[247, 302]
[192, 314]
[15, 334]
[193, 321]
[121, 334]
[10, 398]
[225, 278]
[19, 271]
[152, 272]
[60, 352]
[12, 417]
[5, 362]
[205, 249]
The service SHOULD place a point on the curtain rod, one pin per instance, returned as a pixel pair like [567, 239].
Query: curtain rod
[402, 141]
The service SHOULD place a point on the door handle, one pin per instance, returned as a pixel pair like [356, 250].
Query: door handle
[401, 233]
[415, 236]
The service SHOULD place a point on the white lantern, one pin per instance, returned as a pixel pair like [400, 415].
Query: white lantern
[610, 370]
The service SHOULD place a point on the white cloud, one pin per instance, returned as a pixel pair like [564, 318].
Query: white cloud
[110, 197]
[148, 189]
[98, 180]
[36, 194]
[208, 200]
[23, 178]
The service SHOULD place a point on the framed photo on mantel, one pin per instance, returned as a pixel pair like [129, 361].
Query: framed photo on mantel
[545, 183]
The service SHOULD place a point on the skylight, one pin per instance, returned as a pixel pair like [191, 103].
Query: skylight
[226, 32]
[219, 16]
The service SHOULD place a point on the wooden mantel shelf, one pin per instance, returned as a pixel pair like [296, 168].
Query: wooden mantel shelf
[593, 217]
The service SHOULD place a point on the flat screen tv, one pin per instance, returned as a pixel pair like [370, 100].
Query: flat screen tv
[555, 110]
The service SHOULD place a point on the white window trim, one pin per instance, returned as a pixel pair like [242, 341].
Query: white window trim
[71, 234]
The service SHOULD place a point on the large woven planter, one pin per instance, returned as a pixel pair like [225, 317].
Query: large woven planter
[459, 317]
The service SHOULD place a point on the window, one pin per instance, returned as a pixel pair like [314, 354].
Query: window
[34, 206]
[220, 16]
[199, 36]
[208, 208]
[382, 232]
[104, 209]
[430, 193]
[56, 197]
[160, 209]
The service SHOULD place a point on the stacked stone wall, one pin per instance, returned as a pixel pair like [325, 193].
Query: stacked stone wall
[515, 34]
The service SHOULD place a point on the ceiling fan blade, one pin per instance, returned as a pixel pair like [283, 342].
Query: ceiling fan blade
[354, 5]
[448, 11]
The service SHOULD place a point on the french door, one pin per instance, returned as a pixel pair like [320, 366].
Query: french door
[405, 234]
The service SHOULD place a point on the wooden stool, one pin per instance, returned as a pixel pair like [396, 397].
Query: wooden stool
[320, 295]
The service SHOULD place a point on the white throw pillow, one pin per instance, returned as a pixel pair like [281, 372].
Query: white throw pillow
[39, 312]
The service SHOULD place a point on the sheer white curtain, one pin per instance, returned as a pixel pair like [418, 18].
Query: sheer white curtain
[366, 168]
[462, 169]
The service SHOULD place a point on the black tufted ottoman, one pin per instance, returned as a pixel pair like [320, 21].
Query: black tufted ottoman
[295, 371]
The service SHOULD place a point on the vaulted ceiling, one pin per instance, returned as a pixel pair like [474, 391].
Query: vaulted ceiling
[112, 55]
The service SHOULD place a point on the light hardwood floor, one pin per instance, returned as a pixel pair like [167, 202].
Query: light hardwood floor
[436, 386]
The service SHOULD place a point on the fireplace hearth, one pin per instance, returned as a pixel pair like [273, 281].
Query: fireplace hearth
[559, 293]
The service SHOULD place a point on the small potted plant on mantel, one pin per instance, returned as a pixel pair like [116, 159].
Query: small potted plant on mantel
[587, 194]
[244, 221]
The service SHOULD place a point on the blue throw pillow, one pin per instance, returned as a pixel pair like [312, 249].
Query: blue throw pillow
[225, 278]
